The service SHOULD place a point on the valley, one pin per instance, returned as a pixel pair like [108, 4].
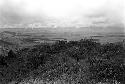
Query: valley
[18, 38]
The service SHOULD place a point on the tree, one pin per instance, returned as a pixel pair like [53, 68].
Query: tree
[11, 54]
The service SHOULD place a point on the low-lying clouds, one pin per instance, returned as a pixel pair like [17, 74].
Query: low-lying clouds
[78, 12]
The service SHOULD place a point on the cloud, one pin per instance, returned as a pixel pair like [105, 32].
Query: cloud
[109, 14]
[12, 12]
[105, 12]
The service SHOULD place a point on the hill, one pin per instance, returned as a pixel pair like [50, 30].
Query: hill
[77, 62]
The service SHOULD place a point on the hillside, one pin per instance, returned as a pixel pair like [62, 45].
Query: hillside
[76, 62]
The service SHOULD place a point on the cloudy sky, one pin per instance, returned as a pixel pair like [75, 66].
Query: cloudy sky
[62, 12]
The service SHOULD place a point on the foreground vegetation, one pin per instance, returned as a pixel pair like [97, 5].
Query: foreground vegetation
[74, 62]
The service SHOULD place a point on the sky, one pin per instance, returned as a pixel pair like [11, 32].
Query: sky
[62, 13]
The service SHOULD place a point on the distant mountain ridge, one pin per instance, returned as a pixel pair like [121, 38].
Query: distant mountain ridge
[9, 32]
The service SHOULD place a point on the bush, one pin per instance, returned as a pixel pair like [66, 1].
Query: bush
[101, 62]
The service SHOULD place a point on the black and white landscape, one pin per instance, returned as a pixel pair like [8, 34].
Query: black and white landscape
[62, 42]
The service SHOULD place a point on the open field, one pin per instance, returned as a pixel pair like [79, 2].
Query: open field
[49, 34]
